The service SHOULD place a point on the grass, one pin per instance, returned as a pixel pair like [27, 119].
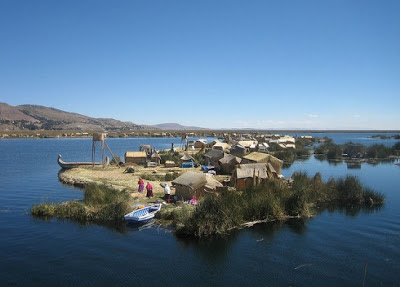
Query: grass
[100, 204]
[169, 176]
[217, 214]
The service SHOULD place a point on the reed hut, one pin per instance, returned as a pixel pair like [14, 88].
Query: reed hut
[136, 157]
[212, 157]
[249, 174]
[192, 184]
[187, 160]
[259, 157]
[239, 150]
[225, 147]
[228, 163]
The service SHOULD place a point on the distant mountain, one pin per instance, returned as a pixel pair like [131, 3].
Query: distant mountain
[33, 117]
[175, 126]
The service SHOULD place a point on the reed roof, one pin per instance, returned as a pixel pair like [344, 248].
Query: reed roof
[228, 158]
[195, 180]
[135, 154]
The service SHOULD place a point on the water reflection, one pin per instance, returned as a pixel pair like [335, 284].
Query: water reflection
[320, 157]
[352, 210]
[298, 226]
[215, 250]
[335, 162]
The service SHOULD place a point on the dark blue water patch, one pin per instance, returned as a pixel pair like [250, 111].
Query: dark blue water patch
[331, 249]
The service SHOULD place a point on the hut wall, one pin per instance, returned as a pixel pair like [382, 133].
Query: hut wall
[186, 193]
[227, 168]
[135, 160]
[243, 183]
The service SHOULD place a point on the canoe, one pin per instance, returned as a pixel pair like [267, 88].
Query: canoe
[68, 165]
[142, 215]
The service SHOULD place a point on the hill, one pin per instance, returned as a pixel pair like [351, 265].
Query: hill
[175, 126]
[34, 117]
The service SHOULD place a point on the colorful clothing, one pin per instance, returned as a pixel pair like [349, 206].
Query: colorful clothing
[149, 189]
[141, 185]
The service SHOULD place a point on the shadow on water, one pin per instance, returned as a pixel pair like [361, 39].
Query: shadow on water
[270, 230]
[114, 227]
[213, 250]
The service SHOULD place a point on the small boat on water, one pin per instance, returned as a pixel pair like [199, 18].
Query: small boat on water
[143, 214]
[68, 165]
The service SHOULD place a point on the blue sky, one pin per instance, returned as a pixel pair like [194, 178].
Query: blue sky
[216, 64]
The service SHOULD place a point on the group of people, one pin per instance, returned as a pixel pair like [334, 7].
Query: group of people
[149, 189]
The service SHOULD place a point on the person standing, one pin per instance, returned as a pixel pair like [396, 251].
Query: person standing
[167, 193]
[149, 188]
[141, 185]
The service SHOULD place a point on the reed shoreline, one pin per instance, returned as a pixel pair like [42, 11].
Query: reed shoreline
[110, 193]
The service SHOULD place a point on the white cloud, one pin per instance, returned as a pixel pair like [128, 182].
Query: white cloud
[312, 115]
[356, 116]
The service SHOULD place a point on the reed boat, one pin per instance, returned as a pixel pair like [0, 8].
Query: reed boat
[68, 165]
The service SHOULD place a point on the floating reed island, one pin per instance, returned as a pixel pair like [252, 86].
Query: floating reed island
[218, 213]
[235, 183]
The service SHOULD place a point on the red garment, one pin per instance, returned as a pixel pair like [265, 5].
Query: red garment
[149, 189]
[140, 181]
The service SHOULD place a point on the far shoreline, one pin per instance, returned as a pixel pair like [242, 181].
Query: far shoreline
[45, 134]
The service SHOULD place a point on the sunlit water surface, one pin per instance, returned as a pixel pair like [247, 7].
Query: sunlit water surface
[336, 248]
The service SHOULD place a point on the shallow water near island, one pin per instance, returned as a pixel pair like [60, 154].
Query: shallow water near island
[332, 249]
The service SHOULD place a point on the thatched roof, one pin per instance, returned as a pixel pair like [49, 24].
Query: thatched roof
[212, 183]
[186, 156]
[195, 180]
[135, 154]
[247, 143]
[228, 158]
[222, 146]
[265, 157]
[249, 170]
[257, 156]
[214, 153]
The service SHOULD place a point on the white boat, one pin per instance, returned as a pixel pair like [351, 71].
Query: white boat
[144, 214]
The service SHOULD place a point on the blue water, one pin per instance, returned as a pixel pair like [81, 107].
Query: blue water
[361, 138]
[331, 249]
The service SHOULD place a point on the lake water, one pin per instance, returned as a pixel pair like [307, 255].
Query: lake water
[332, 249]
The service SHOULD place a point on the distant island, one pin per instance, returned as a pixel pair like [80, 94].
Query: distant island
[175, 126]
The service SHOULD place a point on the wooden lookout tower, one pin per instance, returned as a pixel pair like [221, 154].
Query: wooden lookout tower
[98, 138]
